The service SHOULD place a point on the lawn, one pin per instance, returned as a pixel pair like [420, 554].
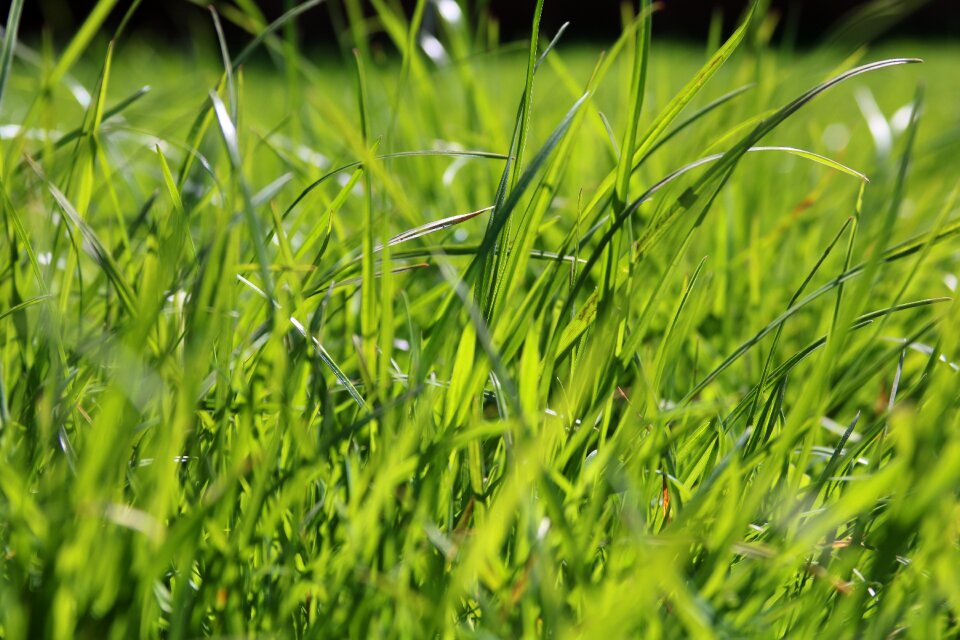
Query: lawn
[468, 338]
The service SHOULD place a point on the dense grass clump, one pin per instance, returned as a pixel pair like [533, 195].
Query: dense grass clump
[457, 338]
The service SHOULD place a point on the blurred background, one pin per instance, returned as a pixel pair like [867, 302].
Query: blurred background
[801, 22]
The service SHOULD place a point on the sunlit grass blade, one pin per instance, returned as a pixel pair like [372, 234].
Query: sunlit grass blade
[436, 225]
[82, 39]
[92, 244]
[9, 42]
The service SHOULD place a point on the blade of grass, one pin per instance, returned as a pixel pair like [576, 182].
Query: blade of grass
[9, 42]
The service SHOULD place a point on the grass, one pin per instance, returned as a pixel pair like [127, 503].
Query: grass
[503, 341]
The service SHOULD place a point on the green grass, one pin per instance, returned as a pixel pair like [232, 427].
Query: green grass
[310, 345]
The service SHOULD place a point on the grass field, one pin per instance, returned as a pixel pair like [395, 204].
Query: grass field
[477, 340]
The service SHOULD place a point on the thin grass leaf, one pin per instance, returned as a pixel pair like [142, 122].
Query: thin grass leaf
[81, 40]
[329, 362]
[9, 43]
[227, 65]
[433, 227]
[91, 244]
[26, 304]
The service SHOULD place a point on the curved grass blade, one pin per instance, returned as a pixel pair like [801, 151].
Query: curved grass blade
[395, 269]
[326, 230]
[229, 131]
[494, 263]
[859, 323]
[676, 105]
[501, 213]
[86, 33]
[553, 43]
[497, 221]
[721, 169]
[328, 360]
[107, 115]
[91, 243]
[523, 124]
[776, 338]
[388, 156]
[573, 331]
[433, 227]
[227, 65]
[697, 115]
[638, 83]
[711, 182]
[205, 114]
[816, 157]
[26, 304]
[271, 29]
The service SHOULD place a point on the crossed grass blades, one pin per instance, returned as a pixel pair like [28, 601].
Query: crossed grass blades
[363, 345]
